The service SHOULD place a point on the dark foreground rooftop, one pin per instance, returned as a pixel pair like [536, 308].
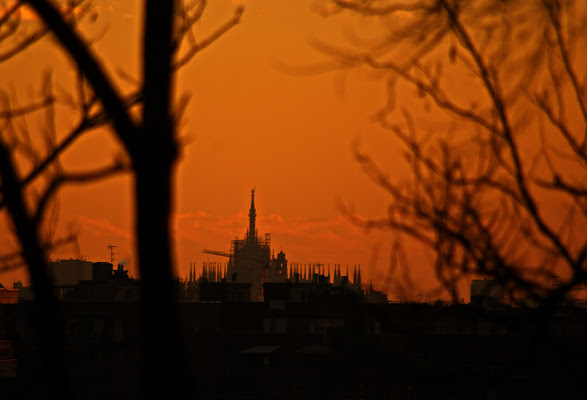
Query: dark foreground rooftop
[316, 351]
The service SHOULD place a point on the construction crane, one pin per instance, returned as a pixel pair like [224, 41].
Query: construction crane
[225, 254]
[217, 253]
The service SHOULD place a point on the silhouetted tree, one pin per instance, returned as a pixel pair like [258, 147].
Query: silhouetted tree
[487, 102]
[499, 189]
[150, 145]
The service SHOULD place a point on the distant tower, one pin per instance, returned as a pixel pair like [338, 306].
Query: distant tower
[252, 216]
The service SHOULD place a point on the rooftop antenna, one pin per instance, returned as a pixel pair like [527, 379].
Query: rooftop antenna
[111, 247]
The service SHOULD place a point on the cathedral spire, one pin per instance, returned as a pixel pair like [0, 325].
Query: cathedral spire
[252, 216]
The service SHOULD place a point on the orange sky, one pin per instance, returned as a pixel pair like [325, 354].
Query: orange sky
[248, 124]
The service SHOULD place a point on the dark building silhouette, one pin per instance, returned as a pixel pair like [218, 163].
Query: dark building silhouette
[225, 292]
[82, 280]
[8, 296]
[316, 335]
[487, 293]
[319, 349]
[106, 285]
[250, 261]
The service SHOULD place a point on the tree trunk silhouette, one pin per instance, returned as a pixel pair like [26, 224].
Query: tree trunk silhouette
[48, 319]
[154, 159]
[151, 146]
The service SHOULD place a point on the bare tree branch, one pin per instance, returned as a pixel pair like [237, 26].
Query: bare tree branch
[195, 46]
[76, 178]
[93, 71]
[484, 214]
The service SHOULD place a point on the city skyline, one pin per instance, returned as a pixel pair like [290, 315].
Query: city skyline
[434, 152]
[292, 141]
[299, 156]
[263, 113]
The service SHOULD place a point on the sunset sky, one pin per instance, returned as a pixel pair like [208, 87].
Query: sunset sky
[252, 121]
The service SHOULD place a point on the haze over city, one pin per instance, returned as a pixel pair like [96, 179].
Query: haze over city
[257, 117]
[294, 199]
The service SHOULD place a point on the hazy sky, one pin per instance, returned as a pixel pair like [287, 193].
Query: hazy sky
[250, 122]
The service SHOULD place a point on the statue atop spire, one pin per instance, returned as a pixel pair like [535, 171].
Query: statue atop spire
[252, 216]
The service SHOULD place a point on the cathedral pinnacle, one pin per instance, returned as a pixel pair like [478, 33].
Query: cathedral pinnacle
[252, 216]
